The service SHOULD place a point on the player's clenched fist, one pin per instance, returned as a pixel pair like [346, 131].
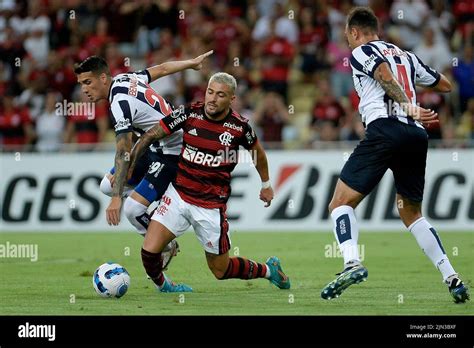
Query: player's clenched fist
[266, 195]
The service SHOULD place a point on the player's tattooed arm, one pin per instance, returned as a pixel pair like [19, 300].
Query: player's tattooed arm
[390, 85]
[122, 159]
[124, 143]
[153, 134]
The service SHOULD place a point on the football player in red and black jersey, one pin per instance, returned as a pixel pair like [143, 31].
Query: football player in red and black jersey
[212, 135]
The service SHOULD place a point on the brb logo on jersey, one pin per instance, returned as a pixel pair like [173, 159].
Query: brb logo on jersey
[226, 138]
[195, 156]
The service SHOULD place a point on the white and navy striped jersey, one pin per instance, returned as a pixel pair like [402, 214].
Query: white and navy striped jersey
[135, 106]
[407, 68]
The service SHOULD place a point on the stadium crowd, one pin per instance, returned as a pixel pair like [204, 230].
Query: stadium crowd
[290, 58]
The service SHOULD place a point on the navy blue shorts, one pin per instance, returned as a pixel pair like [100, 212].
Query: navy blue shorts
[389, 144]
[153, 173]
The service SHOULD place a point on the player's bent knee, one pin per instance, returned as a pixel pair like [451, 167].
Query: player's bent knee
[105, 186]
[217, 265]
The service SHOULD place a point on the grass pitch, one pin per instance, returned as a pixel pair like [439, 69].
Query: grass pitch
[402, 281]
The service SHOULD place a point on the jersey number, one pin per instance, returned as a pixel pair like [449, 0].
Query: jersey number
[403, 79]
[152, 97]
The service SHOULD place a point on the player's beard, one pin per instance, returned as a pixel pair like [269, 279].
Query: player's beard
[214, 114]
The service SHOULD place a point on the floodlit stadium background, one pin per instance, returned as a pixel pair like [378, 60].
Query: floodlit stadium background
[291, 62]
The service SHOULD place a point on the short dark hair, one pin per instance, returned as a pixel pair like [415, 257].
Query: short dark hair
[364, 18]
[94, 64]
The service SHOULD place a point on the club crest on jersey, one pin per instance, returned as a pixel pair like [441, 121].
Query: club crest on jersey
[226, 138]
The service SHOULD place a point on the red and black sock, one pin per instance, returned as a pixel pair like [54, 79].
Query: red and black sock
[244, 269]
[153, 266]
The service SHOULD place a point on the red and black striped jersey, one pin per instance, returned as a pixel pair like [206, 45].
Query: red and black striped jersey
[209, 154]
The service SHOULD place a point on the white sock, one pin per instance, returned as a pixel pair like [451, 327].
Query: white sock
[267, 275]
[430, 243]
[346, 232]
[136, 214]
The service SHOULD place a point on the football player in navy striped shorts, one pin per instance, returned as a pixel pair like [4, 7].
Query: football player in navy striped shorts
[134, 108]
[385, 78]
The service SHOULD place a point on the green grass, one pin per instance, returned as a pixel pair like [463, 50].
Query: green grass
[397, 267]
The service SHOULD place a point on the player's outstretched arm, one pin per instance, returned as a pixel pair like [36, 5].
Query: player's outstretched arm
[169, 68]
[390, 85]
[261, 164]
[122, 159]
[443, 85]
[153, 134]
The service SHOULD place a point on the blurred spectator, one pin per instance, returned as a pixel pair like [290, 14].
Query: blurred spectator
[60, 75]
[465, 130]
[12, 53]
[226, 30]
[339, 53]
[116, 61]
[38, 26]
[433, 53]
[283, 26]
[410, 17]
[33, 97]
[271, 115]
[147, 17]
[86, 129]
[336, 17]
[312, 39]
[195, 81]
[96, 42]
[16, 127]
[327, 115]
[463, 73]
[50, 125]
[441, 21]
[277, 55]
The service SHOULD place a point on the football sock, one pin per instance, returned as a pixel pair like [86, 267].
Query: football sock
[241, 268]
[153, 266]
[347, 233]
[429, 242]
[136, 214]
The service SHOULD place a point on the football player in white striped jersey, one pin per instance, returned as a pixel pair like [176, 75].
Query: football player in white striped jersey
[135, 107]
[385, 78]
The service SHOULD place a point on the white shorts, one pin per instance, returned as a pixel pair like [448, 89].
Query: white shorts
[210, 225]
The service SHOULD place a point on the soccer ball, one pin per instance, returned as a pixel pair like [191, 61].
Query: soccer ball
[111, 280]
